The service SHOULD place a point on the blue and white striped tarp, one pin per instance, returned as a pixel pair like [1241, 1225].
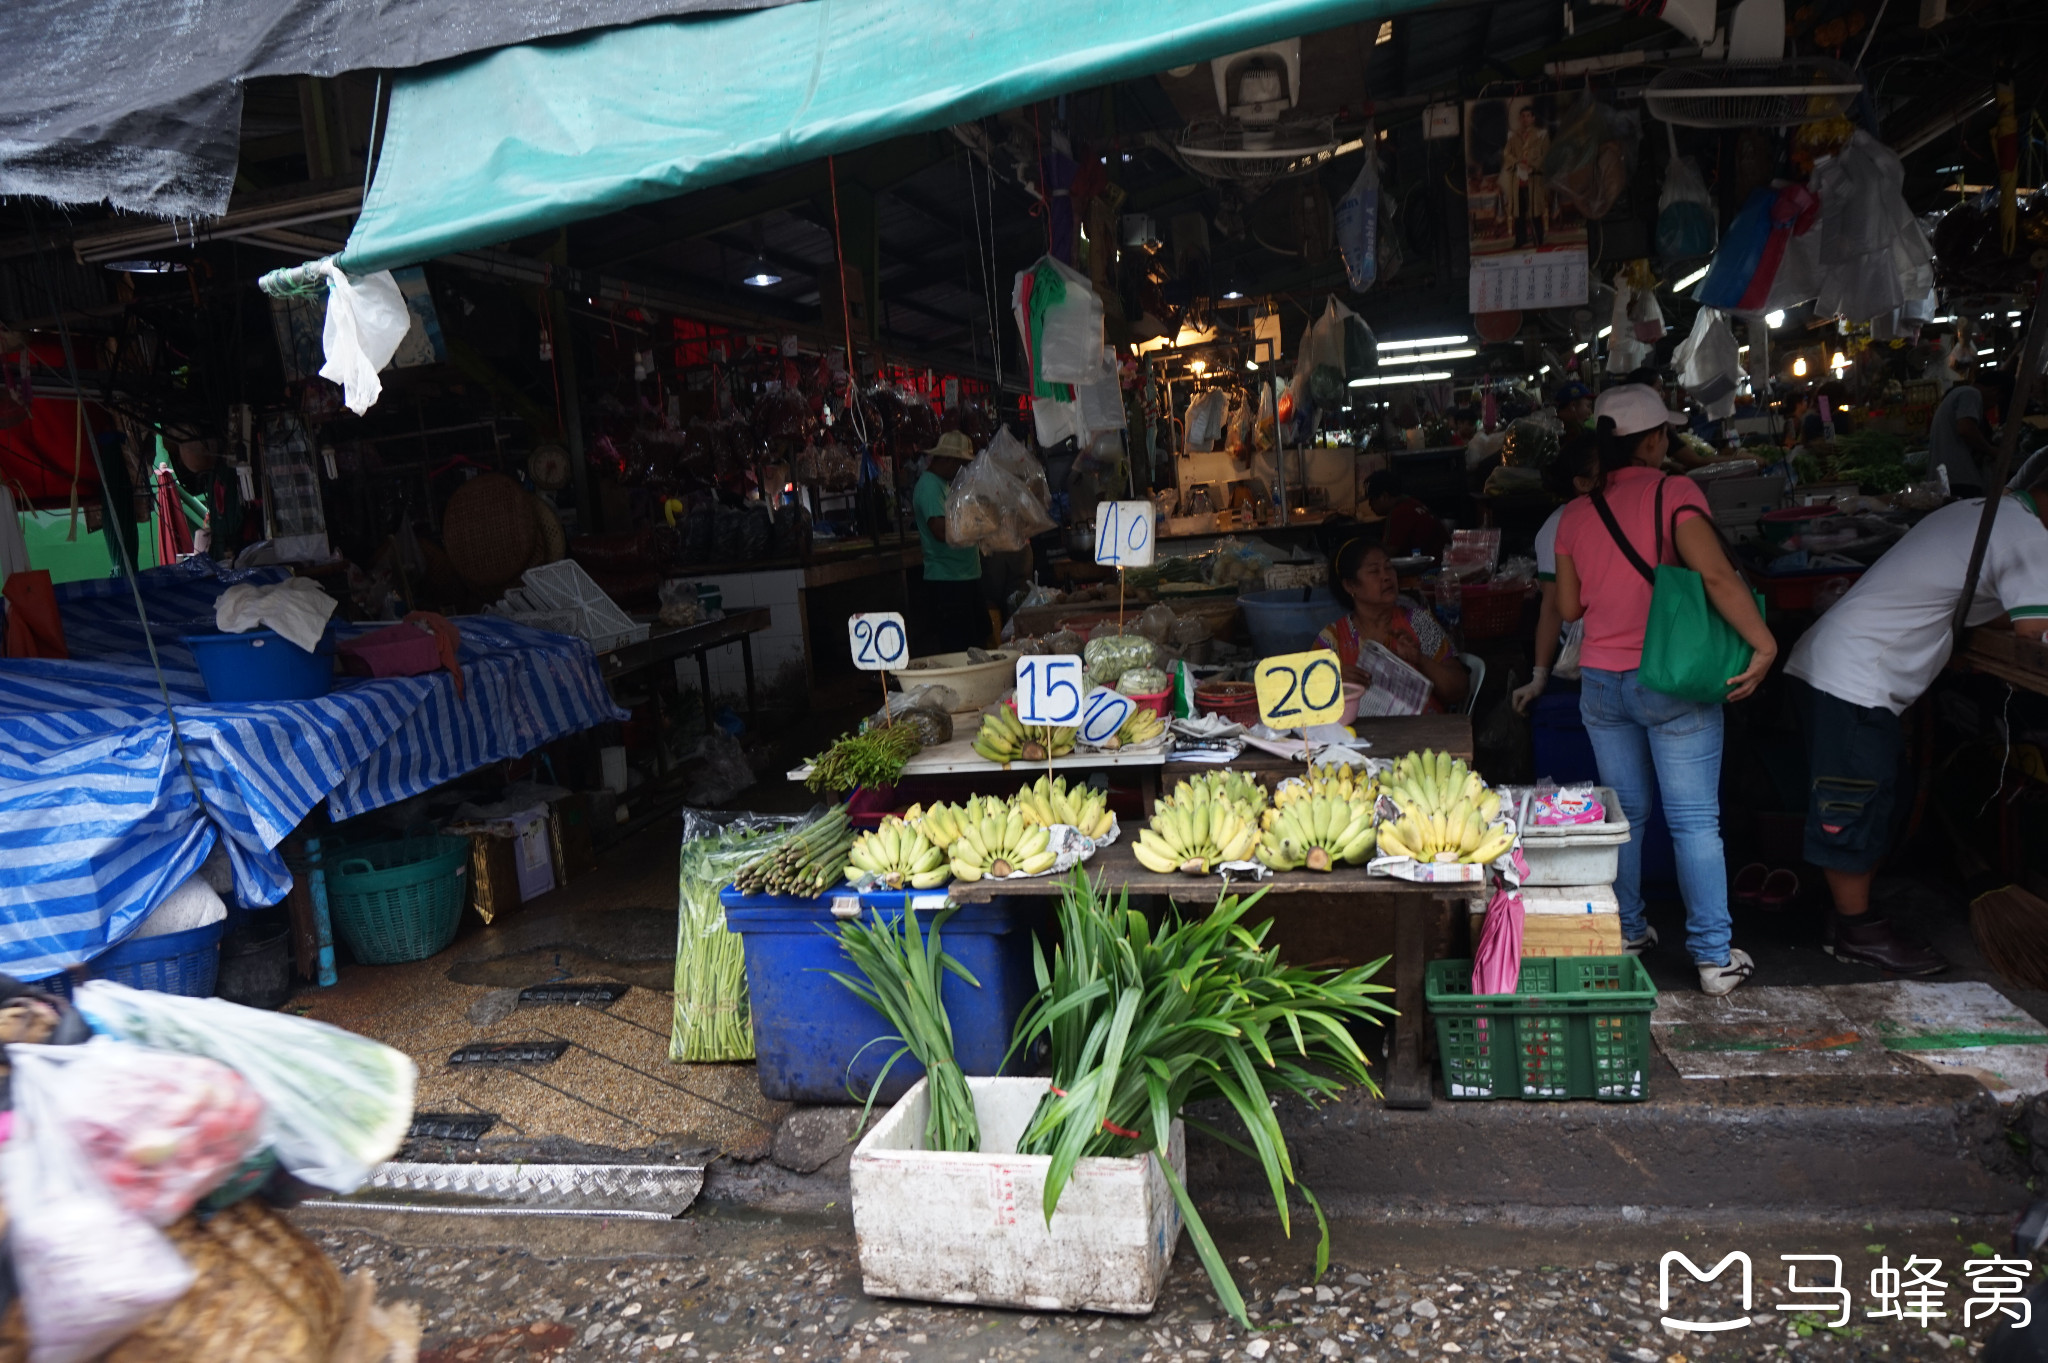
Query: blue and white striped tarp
[98, 821]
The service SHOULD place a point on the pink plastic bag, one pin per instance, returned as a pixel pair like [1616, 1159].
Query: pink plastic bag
[1567, 805]
[161, 1130]
[1497, 963]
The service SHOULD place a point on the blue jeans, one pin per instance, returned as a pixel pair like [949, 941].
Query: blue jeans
[1647, 742]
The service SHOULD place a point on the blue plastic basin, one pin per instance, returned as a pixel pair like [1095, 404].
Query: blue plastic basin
[262, 665]
[812, 1035]
[1281, 622]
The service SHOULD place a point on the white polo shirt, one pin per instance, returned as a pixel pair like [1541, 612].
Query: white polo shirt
[1546, 547]
[1886, 640]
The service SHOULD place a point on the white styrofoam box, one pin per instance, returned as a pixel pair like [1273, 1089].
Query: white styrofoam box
[971, 1228]
[1561, 900]
[1577, 854]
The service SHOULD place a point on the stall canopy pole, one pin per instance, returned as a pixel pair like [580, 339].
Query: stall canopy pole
[2008, 440]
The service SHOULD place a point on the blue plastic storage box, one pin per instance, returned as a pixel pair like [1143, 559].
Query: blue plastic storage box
[262, 665]
[809, 1029]
[1282, 621]
[171, 963]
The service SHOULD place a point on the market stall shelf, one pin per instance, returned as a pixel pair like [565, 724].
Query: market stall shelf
[957, 757]
[1349, 890]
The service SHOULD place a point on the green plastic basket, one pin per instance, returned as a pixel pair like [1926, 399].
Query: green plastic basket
[1576, 1027]
[393, 902]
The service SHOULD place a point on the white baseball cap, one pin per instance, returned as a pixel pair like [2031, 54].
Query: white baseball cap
[1635, 407]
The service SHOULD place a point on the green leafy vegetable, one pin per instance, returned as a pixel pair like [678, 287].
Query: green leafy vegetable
[900, 975]
[1140, 1025]
[874, 758]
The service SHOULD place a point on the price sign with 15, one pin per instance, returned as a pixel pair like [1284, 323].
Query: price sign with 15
[1123, 534]
[878, 641]
[1049, 689]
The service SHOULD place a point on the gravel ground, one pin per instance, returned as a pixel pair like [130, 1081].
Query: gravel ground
[787, 1290]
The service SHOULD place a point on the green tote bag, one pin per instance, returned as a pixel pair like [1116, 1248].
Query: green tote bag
[1689, 650]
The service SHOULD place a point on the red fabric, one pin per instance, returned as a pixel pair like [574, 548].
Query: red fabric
[173, 530]
[34, 629]
[1793, 215]
[1341, 637]
[1412, 530]
[1616, 598]
[38, 454]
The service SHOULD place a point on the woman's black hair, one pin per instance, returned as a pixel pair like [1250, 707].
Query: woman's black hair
[1617, 451]
[1344, 566]
[1576, 458]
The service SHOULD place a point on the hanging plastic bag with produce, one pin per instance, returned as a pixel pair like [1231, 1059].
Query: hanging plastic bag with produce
[88, 1270]
[336, 1104]
[988, 508]
[1685, 210]
[161, 1130]
[1709, 364]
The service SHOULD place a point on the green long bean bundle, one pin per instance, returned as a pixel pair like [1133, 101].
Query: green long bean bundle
[901, 971]
[712, 1020]
[1142, 1024]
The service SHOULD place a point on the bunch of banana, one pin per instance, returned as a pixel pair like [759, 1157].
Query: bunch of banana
[1004, 738]
[1047, 802]
[995, 841]
[1001, 736]
[1432, 782]
[1317, 831]
[1341, 783]
[1447, 813]
[1232, 786]
[1142, 726]
[901, 854]
[1193, 835]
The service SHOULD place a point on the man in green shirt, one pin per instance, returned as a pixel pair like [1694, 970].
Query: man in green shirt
[954, 614]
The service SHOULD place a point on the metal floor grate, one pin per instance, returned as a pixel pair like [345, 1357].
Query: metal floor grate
[510, 1053]
[646, 1192]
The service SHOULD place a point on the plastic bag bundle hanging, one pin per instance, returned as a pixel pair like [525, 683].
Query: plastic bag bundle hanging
[1709, 364]
[989, 508]
[1358, 220]
[1685, 210]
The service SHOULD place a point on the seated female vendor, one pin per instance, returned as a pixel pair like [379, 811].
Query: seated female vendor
[1363, 579]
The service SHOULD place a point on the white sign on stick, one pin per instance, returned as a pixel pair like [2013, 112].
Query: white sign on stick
[1049, 689]
[879, 643]
[1103, 714]
[1123, 534]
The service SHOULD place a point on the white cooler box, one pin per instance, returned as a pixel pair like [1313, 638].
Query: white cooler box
[1577, 854]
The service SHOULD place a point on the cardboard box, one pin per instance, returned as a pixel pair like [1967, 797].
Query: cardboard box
[1563, 920]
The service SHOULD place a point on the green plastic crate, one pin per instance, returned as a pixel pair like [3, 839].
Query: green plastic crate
[1576, 1027]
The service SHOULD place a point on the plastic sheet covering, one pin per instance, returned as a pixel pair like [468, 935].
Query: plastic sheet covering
[565, 131]
[140, 103]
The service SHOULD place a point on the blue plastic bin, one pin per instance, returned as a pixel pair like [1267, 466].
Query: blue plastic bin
[809, 1030]
[172, 963]
[262, 665]
[1280, 621]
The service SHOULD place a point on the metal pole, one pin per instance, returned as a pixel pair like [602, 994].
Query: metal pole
[2008, 439]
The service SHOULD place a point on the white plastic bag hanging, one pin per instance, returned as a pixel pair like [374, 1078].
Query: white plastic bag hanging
[1205, 419]
[336, 1104]
[1685, 210]
[1709, 363]
[89, 1273]
[1101, 400]
[1071, 344]
[366, 319]
[1358, 220]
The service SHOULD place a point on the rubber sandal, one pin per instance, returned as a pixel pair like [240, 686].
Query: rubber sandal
[1748, 886]
[1780, 889]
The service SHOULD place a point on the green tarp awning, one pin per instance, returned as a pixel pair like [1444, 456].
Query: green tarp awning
[527, 138]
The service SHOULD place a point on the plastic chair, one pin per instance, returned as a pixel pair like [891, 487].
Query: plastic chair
[1476, 665]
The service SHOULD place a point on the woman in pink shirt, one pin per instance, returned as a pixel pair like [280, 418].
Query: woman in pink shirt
[1644, 741]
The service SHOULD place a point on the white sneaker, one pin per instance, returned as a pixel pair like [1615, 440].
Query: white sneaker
[1716, 980]
[1636, 946]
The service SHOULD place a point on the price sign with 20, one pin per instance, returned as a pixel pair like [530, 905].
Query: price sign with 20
[1103, 714]
[1123, 534]
[879, 643]
[1299, 689]
[1049, 689]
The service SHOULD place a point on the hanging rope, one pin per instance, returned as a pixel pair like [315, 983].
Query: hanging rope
[845, 305]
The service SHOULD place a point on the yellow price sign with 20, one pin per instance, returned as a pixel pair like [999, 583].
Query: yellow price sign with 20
[1299, 689]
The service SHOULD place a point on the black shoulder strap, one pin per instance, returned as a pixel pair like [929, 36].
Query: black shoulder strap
[1629, 550]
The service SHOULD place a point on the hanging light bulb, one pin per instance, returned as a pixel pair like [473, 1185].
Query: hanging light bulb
[1774, 320]
[1840, 361]
[1198, 366]
[1799, 368]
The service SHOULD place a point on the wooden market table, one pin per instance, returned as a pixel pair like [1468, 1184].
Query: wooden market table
[2003, 654]
[1318, 912]
[1348, 891]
